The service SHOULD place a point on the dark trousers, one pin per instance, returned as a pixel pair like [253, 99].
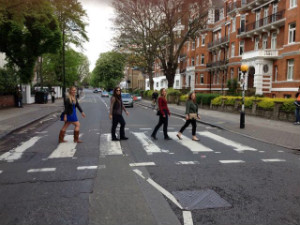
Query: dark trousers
[115, 120]
[187, 123]
[297, 114]
[162, 121]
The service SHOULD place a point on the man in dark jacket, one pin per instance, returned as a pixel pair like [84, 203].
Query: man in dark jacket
[154, 98]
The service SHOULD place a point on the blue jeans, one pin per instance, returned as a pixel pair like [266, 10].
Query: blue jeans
[297, 114]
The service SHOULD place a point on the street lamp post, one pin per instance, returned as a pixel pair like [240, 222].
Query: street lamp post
[244, 69]
[64, 66]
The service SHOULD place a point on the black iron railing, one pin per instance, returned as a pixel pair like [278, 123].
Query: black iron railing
[217, 63]
[218, 42]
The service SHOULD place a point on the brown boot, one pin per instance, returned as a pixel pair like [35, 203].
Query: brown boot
[76, 137]
[61, 136]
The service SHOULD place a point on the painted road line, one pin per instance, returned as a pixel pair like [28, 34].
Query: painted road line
[17, 152]
[41, 170]
[231, 161]
[87, 167]
[194, 146]
[65, 150]
[273, 160]
[138, 172]
[109, 147]
[1, 171]
[187, 218]
[142, 164]
[187, 162]
[164, 192]
[147, 143]
[237, 146]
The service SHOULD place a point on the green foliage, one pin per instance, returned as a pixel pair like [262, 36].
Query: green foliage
[183, 98]
[149, 93]
[266, 103]
[173, 92]
[232, 85]
[205, 98]
[230, 100]
[8, 81]
[288, 105]
[36, 32]
[217, 100]
[109, 69]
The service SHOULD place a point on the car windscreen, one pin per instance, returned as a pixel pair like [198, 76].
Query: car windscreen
[126, 96]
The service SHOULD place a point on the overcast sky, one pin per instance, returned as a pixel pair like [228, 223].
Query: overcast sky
[100, 32]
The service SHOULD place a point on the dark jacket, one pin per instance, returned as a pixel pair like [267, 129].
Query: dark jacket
[69, 106]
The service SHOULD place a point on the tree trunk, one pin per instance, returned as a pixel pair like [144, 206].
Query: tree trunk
[170, 75]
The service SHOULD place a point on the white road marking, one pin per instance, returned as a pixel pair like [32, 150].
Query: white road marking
[1, 171]
[261, 151]
[231, 161]
[164, 192]
[138, 172]
[147, 143]
[218, 152]
[187, 162]
[273, 160]
[194, 146]
[65, 150]
[237, 146]
[18, 152]
[109, 147]
[280, 151]
[187, 218]
[142, 164]
[41, 170]
[87, 167]
[41, 132]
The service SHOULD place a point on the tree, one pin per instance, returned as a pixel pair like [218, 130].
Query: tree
[28, 29]
[109, 69]
[138, 31]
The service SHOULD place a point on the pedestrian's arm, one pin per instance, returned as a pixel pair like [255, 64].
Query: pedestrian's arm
[160, 107]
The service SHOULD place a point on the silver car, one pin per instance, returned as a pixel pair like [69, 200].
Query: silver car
[127, 100]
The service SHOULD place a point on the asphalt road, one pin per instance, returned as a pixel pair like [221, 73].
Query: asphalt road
[223, 179]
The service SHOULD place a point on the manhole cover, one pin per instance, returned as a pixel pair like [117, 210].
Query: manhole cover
[203, 199]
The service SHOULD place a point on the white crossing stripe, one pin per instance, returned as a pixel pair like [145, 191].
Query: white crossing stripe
[142, 164]
[87, 167]
[17, 152]
[231, 161]
[187, 162]
[147, 143]
[65, 150]
[194, 146]
[109, 147]
[187, 218]
[1, 171]
[273, 160]
[41, 170]
[237, 146]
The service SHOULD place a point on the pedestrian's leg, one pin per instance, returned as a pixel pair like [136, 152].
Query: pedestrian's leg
[187, 123]
[297, 114]
[122, 128]
[194, 125]
[76, 132]
[113, 128]
[160, 122]
[166, 127]
[63, 132]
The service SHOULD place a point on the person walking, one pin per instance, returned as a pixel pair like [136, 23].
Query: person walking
[163, 112]
[297, 111]
[154, 99]
[53, 95]
[191, 112]
[69, 116]
[116, 109]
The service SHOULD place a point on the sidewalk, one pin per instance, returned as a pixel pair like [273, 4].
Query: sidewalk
[12, 119]
[280, 133]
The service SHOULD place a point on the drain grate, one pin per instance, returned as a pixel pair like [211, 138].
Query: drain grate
[202, 199]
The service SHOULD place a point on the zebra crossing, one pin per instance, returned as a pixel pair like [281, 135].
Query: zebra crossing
[147, 145]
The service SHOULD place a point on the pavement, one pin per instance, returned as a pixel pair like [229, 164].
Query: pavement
[284, 134]
[280, 133]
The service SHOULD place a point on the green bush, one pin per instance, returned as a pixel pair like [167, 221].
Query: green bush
[149, 93]
[183, 98]
[266, 103]
[205, 98]
[217, 100]
[173, 92]
[288, 105]
[230, 100]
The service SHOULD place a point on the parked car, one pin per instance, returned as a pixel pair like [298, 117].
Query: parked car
[137, 98]
[97, 90]
[127, 100]
[104, 94]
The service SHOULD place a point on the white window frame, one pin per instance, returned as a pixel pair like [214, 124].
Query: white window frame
[177, 83]
[293, 4]
[232, 50]
[233, 24]
[257, 19]
[197, 60]
[198, 42]
[256, 43]
[274, 41]
[265, 42]
[242, 47]
[290, 69]
[202, 40]
[193, 61]
[266, 14]
[292, 33]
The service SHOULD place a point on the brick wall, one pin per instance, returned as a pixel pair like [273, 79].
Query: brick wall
[7, 101]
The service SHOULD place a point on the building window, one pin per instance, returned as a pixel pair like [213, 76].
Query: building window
[177, 83]
[198, 42]
[193, 61]
[202, 59]
[228, 29]
[221, 14]
[188, 46]
[292, 33]
[193, 45]
[243, 23]
[256, 43]
[231, 73]
[233, 25]
[265, 41]
[266, 14]
[157, 84]
[293, 3]
[257, 19]
[148, 84]
[202, 79]
[219, 55]
[290, 69]
[274, 12]
[242, 47]
[197, 60]
[203, 40]
[232, 49]
[276, 73]
[274, 41]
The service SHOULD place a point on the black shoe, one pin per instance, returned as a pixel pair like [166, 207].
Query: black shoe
[124, 138]
[115, 139]
[153, 137]
[168, 138]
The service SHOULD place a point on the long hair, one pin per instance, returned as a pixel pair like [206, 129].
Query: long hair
[118, 97]
[190, 97]
[70, 95]
[161, 91]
